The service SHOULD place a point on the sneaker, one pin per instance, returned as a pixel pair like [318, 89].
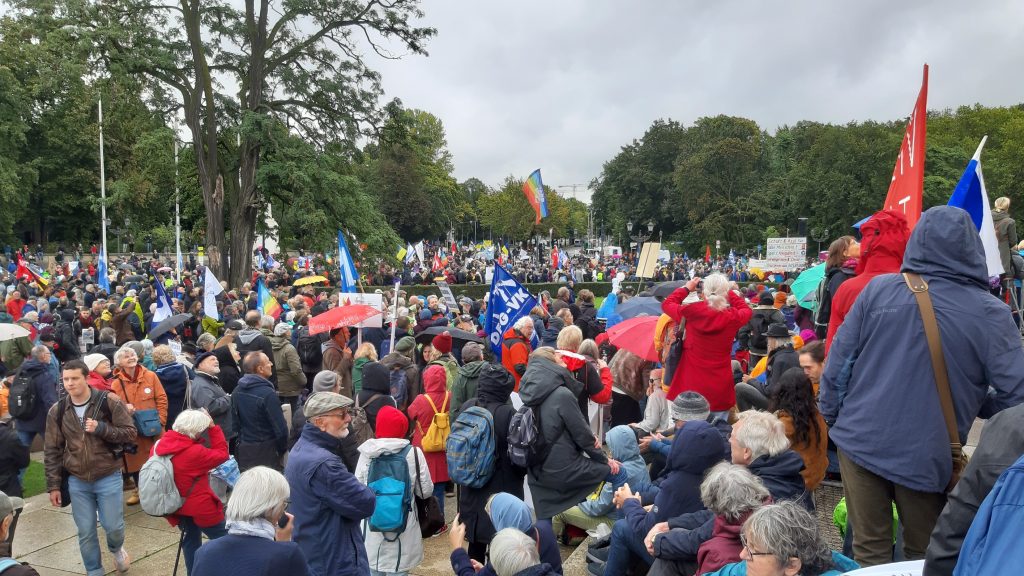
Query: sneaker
[122, 561]
[441, 530]
[132, 498]
[598, 555]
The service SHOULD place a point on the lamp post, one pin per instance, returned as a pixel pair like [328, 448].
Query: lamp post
[819, 235]
[640, 237]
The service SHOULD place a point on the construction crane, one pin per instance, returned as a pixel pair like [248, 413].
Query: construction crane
[574, 187]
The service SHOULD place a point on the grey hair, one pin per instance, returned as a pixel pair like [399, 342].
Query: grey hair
[523, 323]
[267, 321]
[731, 491]
[589, 348]
[108, 334]
[716, 286]
[762, 433]
[512, 552]
[260, 492]
[778, 342]
[147, 346]
[39, 351]
[204, 339]
[122, 352]
[786, 531]
[192, 423]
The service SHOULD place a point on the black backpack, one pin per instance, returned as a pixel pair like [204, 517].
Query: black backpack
[22, 398]
[758, 329]
[526, 443]
[310, 349]
[67, 345]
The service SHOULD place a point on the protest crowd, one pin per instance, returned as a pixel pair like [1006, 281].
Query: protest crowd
[287, 427]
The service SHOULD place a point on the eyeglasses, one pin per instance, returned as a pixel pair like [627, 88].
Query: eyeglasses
[653, 380]
[751, 553]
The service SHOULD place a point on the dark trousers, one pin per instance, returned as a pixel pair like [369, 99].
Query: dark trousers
[193, 538]
[748, 397]
[626, 546]
[869, 500]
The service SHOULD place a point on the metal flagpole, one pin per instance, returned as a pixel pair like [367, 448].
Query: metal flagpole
[177, 216]
[103, 191]
[394, 317]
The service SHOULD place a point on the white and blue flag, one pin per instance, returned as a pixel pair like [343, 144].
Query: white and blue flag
[509, 301]
[346, 266]
[163, 304]
[101, 272]
[970, 195]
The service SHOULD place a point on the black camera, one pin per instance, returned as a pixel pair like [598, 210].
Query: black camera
[120, 450]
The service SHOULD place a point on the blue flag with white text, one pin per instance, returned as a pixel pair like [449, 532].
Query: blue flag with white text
[509, 301]
[101, 271]
[346, 266]
[163, 304]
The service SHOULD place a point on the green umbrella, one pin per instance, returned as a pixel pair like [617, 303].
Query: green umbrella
[806, 285]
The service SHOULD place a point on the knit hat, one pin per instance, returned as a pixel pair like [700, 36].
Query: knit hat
[808, 335]
[281, 329]
[391, 423]
[425, 314]
[376, 378]
[690, 406]
[47, 335]
[200, 357]
[471, 350]
[325, 381]
[405, 345]
[94, 360]
[442, 342]
[137, 346]
[766, 299]
[323, 402]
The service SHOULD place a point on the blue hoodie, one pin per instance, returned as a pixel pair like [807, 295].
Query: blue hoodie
[622, 441]
[871, 395]
[507, 511]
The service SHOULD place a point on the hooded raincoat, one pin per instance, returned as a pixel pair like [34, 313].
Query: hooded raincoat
[870, 391]
[421, 413]
[573, 466]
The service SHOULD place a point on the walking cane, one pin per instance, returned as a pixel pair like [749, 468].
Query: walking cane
[178, 555]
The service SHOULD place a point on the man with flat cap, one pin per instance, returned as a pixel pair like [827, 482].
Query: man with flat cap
[326, 499]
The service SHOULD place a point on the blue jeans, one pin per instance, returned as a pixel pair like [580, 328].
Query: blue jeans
[624, 545]
[26, 438]
[103, 497]
[193, 538]
[439, 494]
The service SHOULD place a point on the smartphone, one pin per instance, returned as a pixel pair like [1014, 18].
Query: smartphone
[282, 522]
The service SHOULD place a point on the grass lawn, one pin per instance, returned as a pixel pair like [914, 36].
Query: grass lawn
[35, 480]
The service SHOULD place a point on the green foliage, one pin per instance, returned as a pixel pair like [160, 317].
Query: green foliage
[725, 179]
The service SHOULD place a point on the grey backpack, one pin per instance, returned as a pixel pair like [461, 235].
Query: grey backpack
[158, 495]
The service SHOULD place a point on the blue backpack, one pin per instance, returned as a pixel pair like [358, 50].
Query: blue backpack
[470, 448]
[398, 386]
[389, 480]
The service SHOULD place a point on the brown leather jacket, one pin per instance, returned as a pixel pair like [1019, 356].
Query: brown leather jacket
[86, 456]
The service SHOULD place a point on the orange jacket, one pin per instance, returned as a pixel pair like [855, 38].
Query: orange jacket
[515, 353]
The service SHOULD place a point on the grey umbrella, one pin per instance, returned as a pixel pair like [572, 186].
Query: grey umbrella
[167, 325]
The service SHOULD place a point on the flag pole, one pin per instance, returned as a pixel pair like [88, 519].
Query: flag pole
[177, 215]
[394, 317]
[977, 154]
[103, 188]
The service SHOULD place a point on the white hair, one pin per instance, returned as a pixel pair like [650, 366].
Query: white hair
[523, 323]
[122, 352]
[787, 530]
[260, 492]
[731, 491]
[39, 352]
[761, 433]
[716, 286]
[512, 552]
[192, 423]
[267, 321]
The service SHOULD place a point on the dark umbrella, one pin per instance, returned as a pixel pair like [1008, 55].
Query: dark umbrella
[126, 266]
[134, 278]
[665, 289]
[428, 334]
[167, 325]
[639, 306]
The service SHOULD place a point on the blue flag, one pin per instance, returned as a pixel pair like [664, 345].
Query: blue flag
[970, 195]
[101, 271]
[509, 301]
[349, 275]
[163, 304]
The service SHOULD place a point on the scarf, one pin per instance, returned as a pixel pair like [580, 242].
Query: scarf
[260, 527]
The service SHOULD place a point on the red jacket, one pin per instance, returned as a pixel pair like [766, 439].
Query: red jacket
[706, 366]
[14, 308]
[515, 351]
[723, 547]
[192, 462]
[885, 240]
[421, 413]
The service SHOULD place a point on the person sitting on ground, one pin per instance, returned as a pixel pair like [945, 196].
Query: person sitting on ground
[202, 513]
[657, 415]
[10, 506]
[793, 403]
[752, 393]
[784, 539]
[515, 554]
[732, 494]
[599, 508]
[386, 553]
[507, 511]
[256, 544]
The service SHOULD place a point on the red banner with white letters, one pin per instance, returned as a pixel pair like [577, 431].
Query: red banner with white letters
[907, 186]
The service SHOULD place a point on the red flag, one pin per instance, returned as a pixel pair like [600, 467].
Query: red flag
[437, 263]
[907, 186]
[454, 249]
[707, 252]
[22, 272]
[554, 257]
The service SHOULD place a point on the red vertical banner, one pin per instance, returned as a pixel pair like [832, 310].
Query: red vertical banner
[907, 186]
[554, 258]
[707, 252]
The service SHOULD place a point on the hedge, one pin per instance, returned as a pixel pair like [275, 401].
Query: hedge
[477, 291]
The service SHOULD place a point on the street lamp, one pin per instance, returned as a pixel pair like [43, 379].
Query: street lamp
[819, 235]
[640, 237]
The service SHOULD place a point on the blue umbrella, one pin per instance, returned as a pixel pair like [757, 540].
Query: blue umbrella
[639, 306]
[806, 284]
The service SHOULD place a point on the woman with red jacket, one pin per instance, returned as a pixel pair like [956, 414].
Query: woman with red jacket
[434, 400]
[196, 445]
[711, 326]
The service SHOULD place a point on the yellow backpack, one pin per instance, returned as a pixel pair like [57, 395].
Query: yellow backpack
[436, 437]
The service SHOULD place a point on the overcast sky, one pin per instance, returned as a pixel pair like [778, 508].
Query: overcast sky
[562, 85]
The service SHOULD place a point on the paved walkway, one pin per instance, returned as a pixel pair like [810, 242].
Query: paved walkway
[47, 539]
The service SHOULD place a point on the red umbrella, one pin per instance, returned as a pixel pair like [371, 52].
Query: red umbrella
[341, 316]
[637, 336]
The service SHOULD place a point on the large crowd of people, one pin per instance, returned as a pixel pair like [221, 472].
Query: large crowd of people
[298, 450]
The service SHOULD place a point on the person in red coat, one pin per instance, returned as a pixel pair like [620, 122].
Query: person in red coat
[711, 326]
[196, 445]
[421, 413]
[884, 238]
[516, 348]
